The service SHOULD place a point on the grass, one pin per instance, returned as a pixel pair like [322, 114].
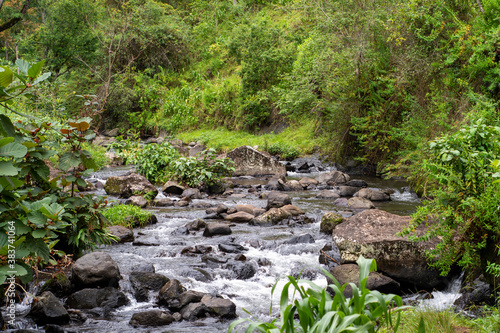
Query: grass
[127, 215]
[223, 140]
[446, 322]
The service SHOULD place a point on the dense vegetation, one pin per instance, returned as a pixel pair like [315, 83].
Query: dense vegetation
[410, 87]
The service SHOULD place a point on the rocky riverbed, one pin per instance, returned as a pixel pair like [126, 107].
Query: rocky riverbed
[207, 257]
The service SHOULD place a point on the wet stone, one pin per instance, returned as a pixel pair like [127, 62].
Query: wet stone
[232, 248]
[151, 318]
[213, 229]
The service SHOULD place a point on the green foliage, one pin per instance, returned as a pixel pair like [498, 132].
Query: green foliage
[316, 311]
[98, 154]
[129, 216]
[35, 211]
[160, 163]
[463, 210]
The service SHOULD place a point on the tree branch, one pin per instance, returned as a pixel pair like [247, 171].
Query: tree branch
[13, 21]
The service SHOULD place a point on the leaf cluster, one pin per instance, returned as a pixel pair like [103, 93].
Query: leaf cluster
[313, 310]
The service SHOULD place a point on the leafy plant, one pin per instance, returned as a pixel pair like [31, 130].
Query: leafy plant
[315, 311]
[463, 206]
[160, 163]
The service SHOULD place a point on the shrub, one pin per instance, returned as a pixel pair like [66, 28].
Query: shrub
[316, 311]
[160, 163]
[127, 215]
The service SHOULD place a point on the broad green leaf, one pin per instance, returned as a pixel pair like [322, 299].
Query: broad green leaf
[39, 233]
[13, 149]
[3, 239]
[23, 66]
[10, 184]
[35, 69]
[6, 127]
[5, 141]
[69, 160]
[17, 270]
[7, 168]
[41, 78]
[6, 76]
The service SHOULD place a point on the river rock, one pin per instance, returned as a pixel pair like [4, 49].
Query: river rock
[250, 209]
[276, 215]
[220, 307]
[373, 195]
[239, 217]
[114, 160]
[197, 274]
[356, 183]
[106, 298]
[96, 269]
[347, 191]
[190, 296]
[277, 199]
[251, 162]
[242, 270]
[301, 239]
[333, 178]
[290, 185]
[232, 248]
[163, 202]
[170, 294]
[172, 187]
[360, 203]
[59, 285]
[328, 222]
[326, 194]
[192, 193]
[372, 233]
[307, 181]
[142, 282]
[196, 149]
[47, 309]
[349, 273]
[127, 186]
[137, 200]
[151, 318]
[213, 229]
[124, 234]
[196, 225]
[474, 294]
[146, 241]
[341, 202]
[193, 311]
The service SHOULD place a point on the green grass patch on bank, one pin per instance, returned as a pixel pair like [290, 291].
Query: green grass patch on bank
[446, 321]
[300, 137]
[127, 215]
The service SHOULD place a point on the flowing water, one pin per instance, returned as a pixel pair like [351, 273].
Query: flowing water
[266, 251]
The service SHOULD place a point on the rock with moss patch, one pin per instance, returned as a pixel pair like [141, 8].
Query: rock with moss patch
[127, 186]
[328, 222]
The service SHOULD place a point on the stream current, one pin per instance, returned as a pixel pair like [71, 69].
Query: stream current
[266, 250]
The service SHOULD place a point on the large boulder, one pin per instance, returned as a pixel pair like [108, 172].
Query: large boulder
[96, 269]
[251, 162]
[289, 185]
[349, 273]
[127, 186]
[47, 309]
[372, 233]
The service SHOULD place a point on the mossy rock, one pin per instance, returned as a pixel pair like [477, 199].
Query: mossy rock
[59, 285]
[328, 222]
